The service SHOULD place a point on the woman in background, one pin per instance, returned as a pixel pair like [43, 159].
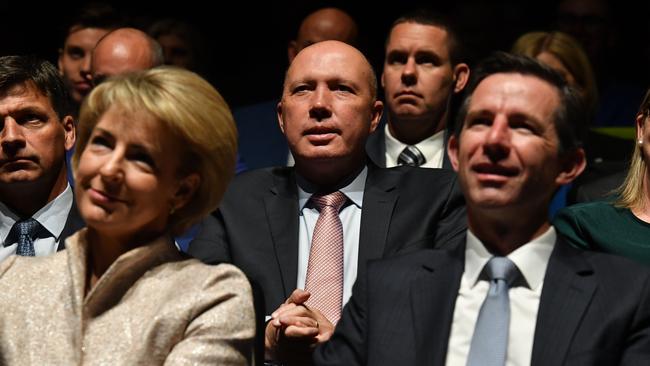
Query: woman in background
[623, 226]
[565, 55]
[155, 153]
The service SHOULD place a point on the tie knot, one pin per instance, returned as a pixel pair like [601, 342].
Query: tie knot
[501, 268]
[334, 200]
[27, 227]
[412, 156]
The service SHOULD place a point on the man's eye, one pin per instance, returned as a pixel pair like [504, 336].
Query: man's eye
[480, 122]
[426, 59]
[76, 53]
[31, 119]
[300, 88]
[396, 58]
[343, 88]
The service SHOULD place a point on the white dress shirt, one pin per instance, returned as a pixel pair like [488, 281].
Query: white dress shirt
[531, 260]
[350, 215]
[52, 217]
[433, 149]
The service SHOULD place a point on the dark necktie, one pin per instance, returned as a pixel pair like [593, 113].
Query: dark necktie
[26, 231]
[412, 156]
[325, 268]
[490, 340]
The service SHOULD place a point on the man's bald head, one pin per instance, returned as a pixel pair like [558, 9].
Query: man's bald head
[351, 59]
[328, 110]
[124, 50]
[322, 25]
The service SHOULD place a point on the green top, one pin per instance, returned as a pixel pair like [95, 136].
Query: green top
[602, 226]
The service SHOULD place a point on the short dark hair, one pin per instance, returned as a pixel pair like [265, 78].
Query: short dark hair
[16, 70]
[571, 116]
[96, 15]
[428, 17]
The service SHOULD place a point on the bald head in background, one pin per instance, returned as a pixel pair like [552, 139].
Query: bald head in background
[124, 50]
[321, 25]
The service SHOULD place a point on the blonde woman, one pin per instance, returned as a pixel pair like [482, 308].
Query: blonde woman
[154, 154]
[622, 226]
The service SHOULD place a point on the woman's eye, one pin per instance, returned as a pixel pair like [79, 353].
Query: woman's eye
[144, 159]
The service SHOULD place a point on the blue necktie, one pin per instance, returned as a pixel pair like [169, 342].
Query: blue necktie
[490, 340]
[26, 231]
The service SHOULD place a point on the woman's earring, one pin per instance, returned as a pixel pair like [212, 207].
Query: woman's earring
[639, 142]
[172, 210]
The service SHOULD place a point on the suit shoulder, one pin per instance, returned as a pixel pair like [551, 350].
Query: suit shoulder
[615, 268]
[420, 175]
[258, 180]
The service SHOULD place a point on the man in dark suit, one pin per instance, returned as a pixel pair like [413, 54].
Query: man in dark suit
[423, 67]
[556, 305]
[268, 217]
[37, 128]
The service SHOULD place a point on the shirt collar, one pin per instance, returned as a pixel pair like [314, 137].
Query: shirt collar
[531, 258]
[52, 216]
[428, 147]
[353, 191]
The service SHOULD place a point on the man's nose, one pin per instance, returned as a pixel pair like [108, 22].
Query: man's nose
[320, 104]
[12, 137]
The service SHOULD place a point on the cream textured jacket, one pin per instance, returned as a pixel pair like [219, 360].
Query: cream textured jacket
[153, 306]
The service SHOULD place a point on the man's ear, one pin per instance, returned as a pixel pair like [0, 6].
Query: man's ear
[461, 75]
[572, 164]
[452, 151]
[278, 110]
[377, 110]
[70, 131]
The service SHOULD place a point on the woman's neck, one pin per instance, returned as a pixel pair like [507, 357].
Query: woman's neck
[103, 251]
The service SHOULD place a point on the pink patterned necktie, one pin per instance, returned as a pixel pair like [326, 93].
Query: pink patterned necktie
[325, 267]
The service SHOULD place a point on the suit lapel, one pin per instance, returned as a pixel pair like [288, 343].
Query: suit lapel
[73, 223]
[568, 289]
[433, 298]
[379, 198]
[446, 163]
[282, 213]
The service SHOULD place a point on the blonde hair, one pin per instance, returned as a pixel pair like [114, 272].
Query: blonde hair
[189, 107]
[632, 193]
[569, 52]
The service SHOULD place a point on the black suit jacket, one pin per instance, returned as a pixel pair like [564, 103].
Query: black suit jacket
[73, 224]
[594, 310]
[403, 208]
[376, 149]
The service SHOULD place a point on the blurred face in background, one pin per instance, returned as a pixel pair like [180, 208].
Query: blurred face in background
[74, 60]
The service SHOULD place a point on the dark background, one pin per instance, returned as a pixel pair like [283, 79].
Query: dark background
[247, 40]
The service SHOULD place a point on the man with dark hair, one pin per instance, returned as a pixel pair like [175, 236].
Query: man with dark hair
[37, 210]
[423, 67]
[91, 23]
[513, 292]
[304, 233]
